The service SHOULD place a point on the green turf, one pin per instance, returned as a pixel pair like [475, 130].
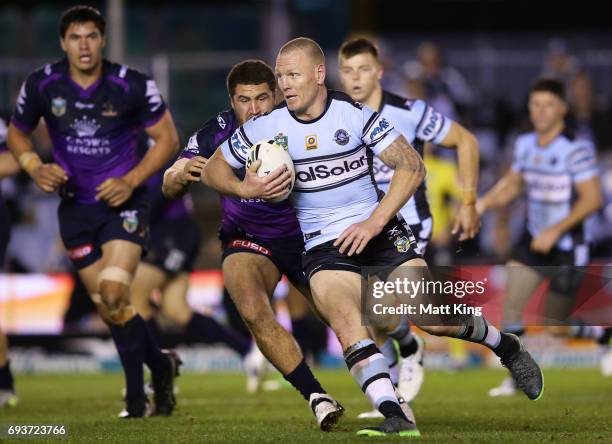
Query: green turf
[577, 407]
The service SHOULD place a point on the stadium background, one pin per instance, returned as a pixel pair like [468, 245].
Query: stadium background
[491, 51]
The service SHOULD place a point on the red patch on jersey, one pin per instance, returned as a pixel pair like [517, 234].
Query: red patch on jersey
[80, 252]
[241, 243]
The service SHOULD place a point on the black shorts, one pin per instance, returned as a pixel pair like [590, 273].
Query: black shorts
[84, 228]
[392, 247]
[285, 253]
[565, 268]
[174, 245]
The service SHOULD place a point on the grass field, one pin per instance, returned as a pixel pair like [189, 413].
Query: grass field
[577, 407]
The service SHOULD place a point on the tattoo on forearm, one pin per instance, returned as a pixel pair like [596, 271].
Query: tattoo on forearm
[400, 155]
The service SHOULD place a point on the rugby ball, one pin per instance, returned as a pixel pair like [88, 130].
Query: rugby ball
[272, 155]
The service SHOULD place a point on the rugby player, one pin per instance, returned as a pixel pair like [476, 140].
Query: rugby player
[345, 223]
[360, 73]
[261, 241]
[93, 110]
[8, 167]
[560, 177]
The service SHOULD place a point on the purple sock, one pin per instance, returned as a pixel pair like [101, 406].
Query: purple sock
[208, 330]
[130, 343]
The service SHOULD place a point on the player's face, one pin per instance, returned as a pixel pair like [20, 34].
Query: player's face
[252, 100]
[298, 79]
[83, 45]
[546, 110]
[360, 75]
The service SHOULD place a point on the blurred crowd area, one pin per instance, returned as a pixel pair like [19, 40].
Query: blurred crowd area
[480, 79]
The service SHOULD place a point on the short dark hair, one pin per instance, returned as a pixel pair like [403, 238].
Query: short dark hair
[552, 86]
[360, 45]
[250, 72]
[81, 14]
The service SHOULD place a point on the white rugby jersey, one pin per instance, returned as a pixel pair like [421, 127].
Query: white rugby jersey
[334, 184]
[549, 174]
[418, 123]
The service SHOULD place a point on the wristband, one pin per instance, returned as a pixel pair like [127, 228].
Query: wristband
[29, 161]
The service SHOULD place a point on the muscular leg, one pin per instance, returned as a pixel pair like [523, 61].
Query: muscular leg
[250, 280]
[521, 283]
[337, 296]
[108, 281]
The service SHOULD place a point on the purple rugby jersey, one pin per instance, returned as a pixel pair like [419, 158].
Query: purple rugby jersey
[255, 216]
[94, 130]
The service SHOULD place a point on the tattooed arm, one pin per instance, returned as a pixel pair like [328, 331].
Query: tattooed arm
[409, 172]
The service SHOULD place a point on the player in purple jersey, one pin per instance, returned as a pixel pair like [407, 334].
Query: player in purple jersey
[261, 240]
[94, 111]
[8, 167]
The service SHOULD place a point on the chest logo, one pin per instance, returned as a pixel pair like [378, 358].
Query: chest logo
[58, 106]
[312, 142]
[341, 137]
[85, 127]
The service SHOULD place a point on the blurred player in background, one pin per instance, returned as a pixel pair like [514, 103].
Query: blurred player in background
[361, 73]
[8, 167]
[261, 241]
[93, 110]
[560, 177]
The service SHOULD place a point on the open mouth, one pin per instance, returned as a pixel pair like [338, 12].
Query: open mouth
[85, 58]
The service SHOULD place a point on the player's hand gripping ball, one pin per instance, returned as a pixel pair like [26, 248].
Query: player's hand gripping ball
[272, 156]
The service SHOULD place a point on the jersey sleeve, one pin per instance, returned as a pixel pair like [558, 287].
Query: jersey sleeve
[377, 133]
[29, 108]
[236, 147]
[582, 162]
[432, 125]
[150, 104]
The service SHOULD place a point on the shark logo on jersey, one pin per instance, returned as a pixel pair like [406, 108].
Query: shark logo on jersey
[58, 106]
[221, 122]
[341, 137]
[239, 147]
[311, 142]
[383, 124]
[282, 140]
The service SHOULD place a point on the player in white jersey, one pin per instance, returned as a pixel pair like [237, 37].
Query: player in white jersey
[561, 181]
[361, 73]
[347, 225]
